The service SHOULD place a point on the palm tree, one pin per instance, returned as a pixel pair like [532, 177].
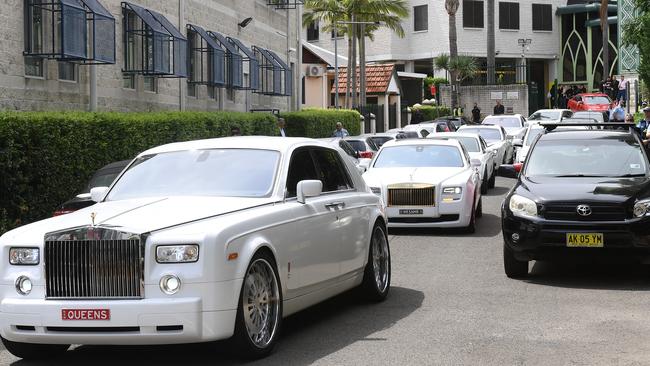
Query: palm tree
[604, 26]
[452, 7]
[464, 67]
[388, 12]
[491, 51]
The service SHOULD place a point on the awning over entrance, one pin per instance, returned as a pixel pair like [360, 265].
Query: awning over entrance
[583, 8]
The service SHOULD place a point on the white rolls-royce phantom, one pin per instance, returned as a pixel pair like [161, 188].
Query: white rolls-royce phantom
[196, 241]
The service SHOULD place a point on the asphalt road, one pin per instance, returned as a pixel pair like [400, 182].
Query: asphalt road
[450, 304]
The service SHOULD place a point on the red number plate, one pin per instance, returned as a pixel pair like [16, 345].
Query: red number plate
[85, 314]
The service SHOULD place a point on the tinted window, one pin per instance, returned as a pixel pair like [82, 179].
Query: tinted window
[489, 134]
[347, 148]
[313, 31]
[380, 140]
[469, 143]
[301, 168]
[602, 157]
[358, 145]
[420, 18]
[331, 171]
[508, 15]
[419, 156]
[102, 180]
[542, 17]
[213, 172]
[472, 14]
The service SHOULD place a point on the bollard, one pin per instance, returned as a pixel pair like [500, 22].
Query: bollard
[373, 127]
[409, 112]
[362, 121]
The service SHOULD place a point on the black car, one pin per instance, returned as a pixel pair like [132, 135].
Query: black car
[103, 177]
[580, 192]
[457, 121]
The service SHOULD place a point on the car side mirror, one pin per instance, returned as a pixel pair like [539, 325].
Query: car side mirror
[83, 196]
[517, 143]
[508, 171]
[308, 188]
[98, 193]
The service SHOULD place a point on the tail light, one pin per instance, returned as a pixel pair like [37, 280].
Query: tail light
[62, 212]
[518, 167]
[366, 154]
[446, 129]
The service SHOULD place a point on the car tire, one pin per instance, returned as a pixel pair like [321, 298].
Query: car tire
[377, 274]
[484, 183]
[257, 325]
[32, 351]
[493, 179]
[513, 267]
[479, 208]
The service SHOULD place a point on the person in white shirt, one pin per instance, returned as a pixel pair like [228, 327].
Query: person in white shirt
[281, 125]
[622, 89]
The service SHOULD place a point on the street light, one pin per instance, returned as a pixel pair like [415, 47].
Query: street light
[336, 55]
[525, 46]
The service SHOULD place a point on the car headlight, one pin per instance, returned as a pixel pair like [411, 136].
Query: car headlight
[522, 206]
[452, 190]
[24, 256]
[177, 253]
[375, 190]
[642, 208]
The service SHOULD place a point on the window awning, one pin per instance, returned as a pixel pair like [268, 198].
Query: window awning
[163, 46]
[207, 52]
[596, 22]
[249, 59]
[287, 73]
[583, 8]
[63, 31]
[234, 61]
[270, 70]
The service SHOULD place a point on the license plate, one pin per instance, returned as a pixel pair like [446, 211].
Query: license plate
[411, 212]
[85, 314]
[586, 240]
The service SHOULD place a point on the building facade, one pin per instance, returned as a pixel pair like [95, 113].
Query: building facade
[167, 55]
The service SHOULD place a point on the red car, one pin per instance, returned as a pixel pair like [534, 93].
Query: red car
[596, 102]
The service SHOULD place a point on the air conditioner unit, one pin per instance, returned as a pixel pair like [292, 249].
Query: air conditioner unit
[315, 71]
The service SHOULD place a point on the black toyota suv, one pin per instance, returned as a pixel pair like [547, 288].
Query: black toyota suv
[578, 192]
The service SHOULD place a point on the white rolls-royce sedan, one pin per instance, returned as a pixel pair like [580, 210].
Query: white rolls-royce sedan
[427, 183]
[196, 241]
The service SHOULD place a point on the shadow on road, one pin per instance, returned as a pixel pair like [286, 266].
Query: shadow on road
[307, 336]
[497, 191]
[594, 273]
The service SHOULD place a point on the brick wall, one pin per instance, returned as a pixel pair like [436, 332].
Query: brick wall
[483, 95]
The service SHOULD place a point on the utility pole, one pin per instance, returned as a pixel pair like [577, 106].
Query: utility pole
[491, 52]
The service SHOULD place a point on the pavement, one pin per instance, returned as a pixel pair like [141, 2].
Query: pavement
[450, 304]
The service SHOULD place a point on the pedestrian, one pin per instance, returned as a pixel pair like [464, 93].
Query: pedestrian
[616, 108]
[340, 131]
[235, 131]
[613, 89]
[281, 125]
[618, 116]
[583, 89]
[417, 116]
[606, 85]
[622, 89]
[553, 95]
[499, 108]
[561, 98]
[476, 114]
[644, 124]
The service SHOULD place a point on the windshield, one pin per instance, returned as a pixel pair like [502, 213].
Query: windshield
[532, 134]
[503, 121]
[469, 143]
[488, 134]
[597, 100]
[214, 172]
[419, 156]
[545, 115]
[602, 157]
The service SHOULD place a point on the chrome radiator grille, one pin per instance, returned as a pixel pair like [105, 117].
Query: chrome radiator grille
[411, 195]
[94, 269]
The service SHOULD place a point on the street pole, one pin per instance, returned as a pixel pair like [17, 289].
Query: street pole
[336, 64]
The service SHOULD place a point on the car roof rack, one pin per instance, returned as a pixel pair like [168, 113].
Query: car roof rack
[552, 126]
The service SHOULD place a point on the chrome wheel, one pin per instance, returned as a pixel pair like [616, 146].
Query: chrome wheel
[260, 303]
[380, 259]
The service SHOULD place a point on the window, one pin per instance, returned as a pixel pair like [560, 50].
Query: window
[191, 90]
[34, 67]
[420, 18]
[128, 81]
[150, 84]
[313, 32]
[301, 168]
[331, 171]
[472, 14]
[211, 92]
[67, 71]
[508, 15]
[542, 17]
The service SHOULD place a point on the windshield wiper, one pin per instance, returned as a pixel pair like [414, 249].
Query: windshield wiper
[630, 175]
[579, 176]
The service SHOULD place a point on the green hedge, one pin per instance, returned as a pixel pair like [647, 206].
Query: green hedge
[47, 157]
[319, 123]
[432, 112]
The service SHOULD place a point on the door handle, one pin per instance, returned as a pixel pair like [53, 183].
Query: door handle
[335, 205]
